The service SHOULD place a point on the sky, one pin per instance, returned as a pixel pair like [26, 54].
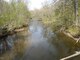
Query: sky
[34, 4]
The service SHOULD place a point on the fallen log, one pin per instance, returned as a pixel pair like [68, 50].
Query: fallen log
[73, 43]
[5, 31]
[71, 56]
[68, 37]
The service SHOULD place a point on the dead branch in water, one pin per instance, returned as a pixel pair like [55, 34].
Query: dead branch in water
[71, 56]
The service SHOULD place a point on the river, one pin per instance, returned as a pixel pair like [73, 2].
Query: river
[39, 48]
[41, 44]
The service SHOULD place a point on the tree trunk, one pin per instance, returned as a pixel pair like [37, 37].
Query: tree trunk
[76, 11]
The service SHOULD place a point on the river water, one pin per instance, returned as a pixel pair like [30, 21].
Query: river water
[42, 44]
[39, 48]
[45, 45]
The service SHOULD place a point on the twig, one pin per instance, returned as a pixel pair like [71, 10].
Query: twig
[71, 56]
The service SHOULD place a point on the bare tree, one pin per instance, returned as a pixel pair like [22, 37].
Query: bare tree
[76, 11]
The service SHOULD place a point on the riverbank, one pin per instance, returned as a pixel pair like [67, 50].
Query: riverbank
[71, 42]
[67, 41]
[18, 45]
[69, 35]
[5, 32]
[7, 36]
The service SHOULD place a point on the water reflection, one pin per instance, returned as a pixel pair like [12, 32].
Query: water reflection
[45, 45]
[39, 48]
[40, 44]
[10, 41]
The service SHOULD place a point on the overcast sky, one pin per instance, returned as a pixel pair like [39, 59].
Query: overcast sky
[35, 4]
